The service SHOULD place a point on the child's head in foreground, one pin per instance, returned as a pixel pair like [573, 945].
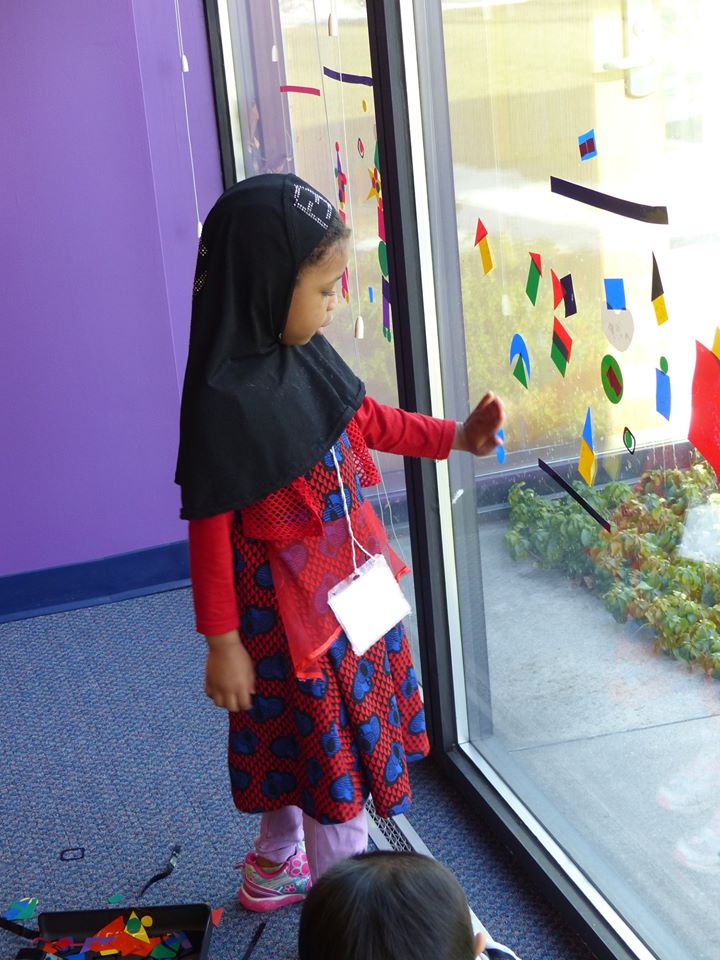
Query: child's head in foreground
[387, 906]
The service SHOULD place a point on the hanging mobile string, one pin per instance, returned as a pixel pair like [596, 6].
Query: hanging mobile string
[185, 68]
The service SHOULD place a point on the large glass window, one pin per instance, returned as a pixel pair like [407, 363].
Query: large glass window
[591, 652]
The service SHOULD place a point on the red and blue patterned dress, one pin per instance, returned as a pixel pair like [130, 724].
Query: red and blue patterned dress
[325, 743]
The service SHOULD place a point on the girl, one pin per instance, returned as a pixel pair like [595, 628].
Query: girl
[273, 461]
[391, 906]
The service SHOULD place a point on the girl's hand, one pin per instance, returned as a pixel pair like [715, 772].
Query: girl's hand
[477, 434]
[229, 672]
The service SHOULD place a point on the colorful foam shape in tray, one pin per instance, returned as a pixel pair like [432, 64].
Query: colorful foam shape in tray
[561, 346]
[587, 145]
[533, 280]
[21, 909]
[704, 433]
[615, 293]
[568, 295]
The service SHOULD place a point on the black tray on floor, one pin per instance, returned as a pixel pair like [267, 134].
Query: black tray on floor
[193, 919]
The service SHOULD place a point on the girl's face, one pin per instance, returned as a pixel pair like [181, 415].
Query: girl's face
[315, 297]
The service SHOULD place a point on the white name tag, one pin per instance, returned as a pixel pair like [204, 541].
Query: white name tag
[368, 603]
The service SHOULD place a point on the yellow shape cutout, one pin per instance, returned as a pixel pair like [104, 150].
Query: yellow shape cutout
[146, 921]
[109, 953]
[661, 313]
[485, 255]
[612, 465]
[587, 466]
[716, 343]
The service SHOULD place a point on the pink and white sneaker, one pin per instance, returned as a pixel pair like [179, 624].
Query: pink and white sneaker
[264, 889]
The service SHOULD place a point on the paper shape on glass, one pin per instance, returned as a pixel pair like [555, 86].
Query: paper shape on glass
[612, 378]
[481, 241]
[216, 915]
[518, 348]
[500, 450]
[558, 292]
[662, 389]
[561, 346]
[568, 295]
[704, 433]
[587, 466]
[587, 145]
[657, 294]
[371, 294]
[629, 440]
[615, 294]
[618, 326]
[716, 343]
[533, 280]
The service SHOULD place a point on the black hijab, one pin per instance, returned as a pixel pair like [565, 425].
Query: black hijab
[256, 414]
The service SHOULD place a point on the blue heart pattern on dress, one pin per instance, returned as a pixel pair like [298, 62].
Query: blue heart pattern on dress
[394, 638]
[393, 712]
[257, 620]
[342, 789]
[272, 668]
[417, 723]
[263, 576]
[394, 766]
[243, 741]
[314, 771]
[277, 782]
[314, 688]
[330, 741]
[334, 505]
[338, 650]
[409, 684]
[266, 708]
[304, 722]
[369, 734]
[239, 779]
[363, 682]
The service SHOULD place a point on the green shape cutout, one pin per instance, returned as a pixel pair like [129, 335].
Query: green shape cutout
[664, 364]
[558, 359]
[609, 371]
[115, 898]
[519, 372]
[533, 282]
[133, 926]
[383, 258]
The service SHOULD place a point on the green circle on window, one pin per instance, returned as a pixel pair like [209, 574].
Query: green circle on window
[612, 379]
[383, 258]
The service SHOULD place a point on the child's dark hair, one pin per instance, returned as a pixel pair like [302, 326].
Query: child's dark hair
[337, 232]
[386, 906]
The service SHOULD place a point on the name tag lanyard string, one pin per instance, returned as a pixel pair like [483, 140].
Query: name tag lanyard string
[353, 540]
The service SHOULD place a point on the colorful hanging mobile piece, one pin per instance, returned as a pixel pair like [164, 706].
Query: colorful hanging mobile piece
[481, 241]
[587, 466]
[342, 197]
[533, 280]
[657, 295]
[561, 346]
[587, 145]
[662, 389]
[521, 370]
[376, 191]
[704, 433]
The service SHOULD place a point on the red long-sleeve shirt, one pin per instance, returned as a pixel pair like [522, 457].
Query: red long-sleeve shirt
[384, 428]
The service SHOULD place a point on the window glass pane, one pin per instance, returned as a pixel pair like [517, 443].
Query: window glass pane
[592, 662]
[297, 115]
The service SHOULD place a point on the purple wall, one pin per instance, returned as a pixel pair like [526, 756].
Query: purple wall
[98, 251]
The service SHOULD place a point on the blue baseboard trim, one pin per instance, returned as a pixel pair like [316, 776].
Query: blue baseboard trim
[121, 577]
